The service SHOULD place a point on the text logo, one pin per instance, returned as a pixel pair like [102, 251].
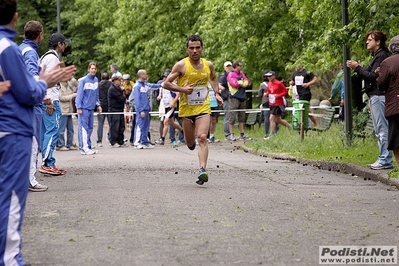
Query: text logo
[358, 255]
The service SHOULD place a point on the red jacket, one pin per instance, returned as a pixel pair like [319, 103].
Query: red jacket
[277, 88]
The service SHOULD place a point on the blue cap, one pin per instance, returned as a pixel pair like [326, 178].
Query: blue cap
[270, 73]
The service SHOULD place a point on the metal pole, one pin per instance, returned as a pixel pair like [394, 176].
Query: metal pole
[302, 128]
[347, 78]
[58, 16]
[59, 22]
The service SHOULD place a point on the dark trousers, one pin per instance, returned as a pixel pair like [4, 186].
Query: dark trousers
[117, 127]
[133, 125]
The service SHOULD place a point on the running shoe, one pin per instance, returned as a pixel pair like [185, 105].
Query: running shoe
[50, 170]
[62, 171]
[245, 137]
[89, 152]
[231, 137]
[38, 188]
[149, 146]
[202, 176]
[116, 145]
[213, 140]
[379, 166]
[160, 142]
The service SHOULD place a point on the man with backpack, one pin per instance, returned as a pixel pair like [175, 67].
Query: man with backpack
[51, 119]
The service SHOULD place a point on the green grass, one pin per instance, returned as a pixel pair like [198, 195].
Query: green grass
[394, 173]
[327, 146]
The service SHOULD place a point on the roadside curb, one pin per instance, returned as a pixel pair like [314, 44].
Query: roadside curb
[354, 169]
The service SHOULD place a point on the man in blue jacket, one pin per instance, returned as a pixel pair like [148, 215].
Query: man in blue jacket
[142, 103]
[33, 37]
[16, 131]
[86, 101]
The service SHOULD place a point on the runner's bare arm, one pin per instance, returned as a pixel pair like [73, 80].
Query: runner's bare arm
[178, 70]
[214, 83]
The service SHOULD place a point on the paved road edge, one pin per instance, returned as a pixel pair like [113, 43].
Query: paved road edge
[354, 169]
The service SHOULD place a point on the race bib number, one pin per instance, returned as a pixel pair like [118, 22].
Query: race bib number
[299, 80]
[198, 96]
[212, 95]
[272, 98]
[167, 98]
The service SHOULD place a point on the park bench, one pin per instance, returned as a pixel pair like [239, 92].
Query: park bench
[367, 131]
[325, 120]
[252, 119]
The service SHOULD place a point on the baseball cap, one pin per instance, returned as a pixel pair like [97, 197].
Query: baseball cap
[116, 76]
[227, 63]
[270, 73]
[166, 73]
[57, 38]
[126, 76]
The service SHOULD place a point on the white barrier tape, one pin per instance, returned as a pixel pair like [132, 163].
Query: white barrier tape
[214, 111]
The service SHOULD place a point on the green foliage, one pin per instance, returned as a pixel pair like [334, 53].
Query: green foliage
[271, 34]
[359, 120]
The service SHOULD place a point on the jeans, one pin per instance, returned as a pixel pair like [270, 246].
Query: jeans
[226, 129]
[66, 122]
[380, 123]
[101, 119]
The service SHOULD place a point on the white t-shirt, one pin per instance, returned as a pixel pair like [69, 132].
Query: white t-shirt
[50, 60]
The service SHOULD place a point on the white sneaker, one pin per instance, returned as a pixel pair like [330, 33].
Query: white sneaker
[231, 137]
[89, 152]
[139, 147]
[38, 188]
[245, 137]
[149, 146]
[373, 164]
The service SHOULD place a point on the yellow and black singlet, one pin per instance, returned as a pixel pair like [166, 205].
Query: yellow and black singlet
[197, 102]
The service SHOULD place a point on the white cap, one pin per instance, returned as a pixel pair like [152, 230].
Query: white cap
[227, 63]
[117, 74]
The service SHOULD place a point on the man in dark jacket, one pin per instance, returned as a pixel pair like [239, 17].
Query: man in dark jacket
[388, 82]
[375, 41]
[224, 92]
[116, 104]
[103, 87]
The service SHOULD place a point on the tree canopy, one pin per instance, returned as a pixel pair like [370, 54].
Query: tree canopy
[149, 34]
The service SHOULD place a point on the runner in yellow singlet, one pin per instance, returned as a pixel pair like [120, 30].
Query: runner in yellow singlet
[193, 74]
